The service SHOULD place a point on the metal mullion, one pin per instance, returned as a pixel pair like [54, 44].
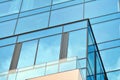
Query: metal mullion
[18, 17]
[36, 52]
[50, 13]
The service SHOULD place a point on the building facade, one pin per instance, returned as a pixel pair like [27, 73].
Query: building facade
[60, 39]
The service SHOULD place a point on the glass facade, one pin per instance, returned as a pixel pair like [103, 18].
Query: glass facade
[34, 31]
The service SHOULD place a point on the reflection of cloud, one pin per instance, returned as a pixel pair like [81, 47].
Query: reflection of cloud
[48, 53]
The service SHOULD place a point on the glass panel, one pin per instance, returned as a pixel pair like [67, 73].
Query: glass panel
[33, 4]
[83, 72]
[3, 0]
[60, 1]
[7, 28]
[32, 23]
[66, 65]
[105, 18]
[75, 26]
[82, 63]
[3, 77]
[95, 65]
[48, 50]
[114, 75]
[110, 57]
[91, 55]
[5, 57]
[77, 44]
[57, 4]
[27, 54]
[30, 73]
[51, 69]
[9, 7]
[8, 17]
[12, 76]
[7, 41]
[111, 44]
[99, 68]
[100, 9]
[107, 30]
[40, 34]
[34, 11]
[66, 15]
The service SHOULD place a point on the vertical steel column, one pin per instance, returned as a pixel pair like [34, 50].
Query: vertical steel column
[64, 45]
[15, 57]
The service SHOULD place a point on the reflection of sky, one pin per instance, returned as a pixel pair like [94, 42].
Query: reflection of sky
[5, 57]
[111, 57]
[103, 31]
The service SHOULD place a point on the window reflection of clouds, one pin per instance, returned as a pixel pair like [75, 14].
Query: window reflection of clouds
[5, 57]
[49, 49]
[27, 54]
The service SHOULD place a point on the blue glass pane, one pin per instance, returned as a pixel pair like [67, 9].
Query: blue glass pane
[105, 18]
[8, 17]
[34, 11]
[66, 15]
[75, 26]
[40, 34]
[32, 23]
[23, 75]
[66, 65]
[57, 4]
[10, 7]
[6, 57]
[77, 44]
[110, 57]
[33, 4]
[49, 49]
[3, 77]
[8, 41]
[114, 75]
[100, 9]
[51, 69]
[107, 45]
[12, 76]
[27, 54]
[7, 28]
[107, 30]
[3, 0]
[82, 63]
[60, 1]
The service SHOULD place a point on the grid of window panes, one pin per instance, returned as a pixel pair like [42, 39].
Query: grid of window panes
[19, 16]
[38, 48]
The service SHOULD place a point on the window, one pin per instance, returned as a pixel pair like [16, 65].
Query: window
[100, 7]
[107, 31]
[9, 7]
[6, 54]
[32, 23]
[77, 44]
[49, 49]
[27, 54]
[66, 15]
[33, 4]
[110, 57]
[7, 28]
